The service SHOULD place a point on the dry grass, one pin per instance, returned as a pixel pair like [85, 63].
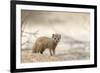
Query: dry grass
[61, 55]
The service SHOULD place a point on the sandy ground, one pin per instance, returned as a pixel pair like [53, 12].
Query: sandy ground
[61, 55]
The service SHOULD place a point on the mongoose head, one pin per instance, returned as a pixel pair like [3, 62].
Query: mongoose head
[56, 37]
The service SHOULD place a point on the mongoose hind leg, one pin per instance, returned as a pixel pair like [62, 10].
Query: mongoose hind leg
[42, 50]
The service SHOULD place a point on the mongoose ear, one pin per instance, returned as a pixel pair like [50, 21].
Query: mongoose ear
[53, 35]
[59, 36]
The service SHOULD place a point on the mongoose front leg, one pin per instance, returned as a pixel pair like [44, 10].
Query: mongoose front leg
[53, 51]
[50, 52]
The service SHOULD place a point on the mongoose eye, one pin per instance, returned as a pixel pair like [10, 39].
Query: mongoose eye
[55, 38]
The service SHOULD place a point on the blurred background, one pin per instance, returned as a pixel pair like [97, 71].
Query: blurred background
[73, 27]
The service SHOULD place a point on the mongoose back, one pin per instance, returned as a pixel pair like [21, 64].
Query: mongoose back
[43, 43]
